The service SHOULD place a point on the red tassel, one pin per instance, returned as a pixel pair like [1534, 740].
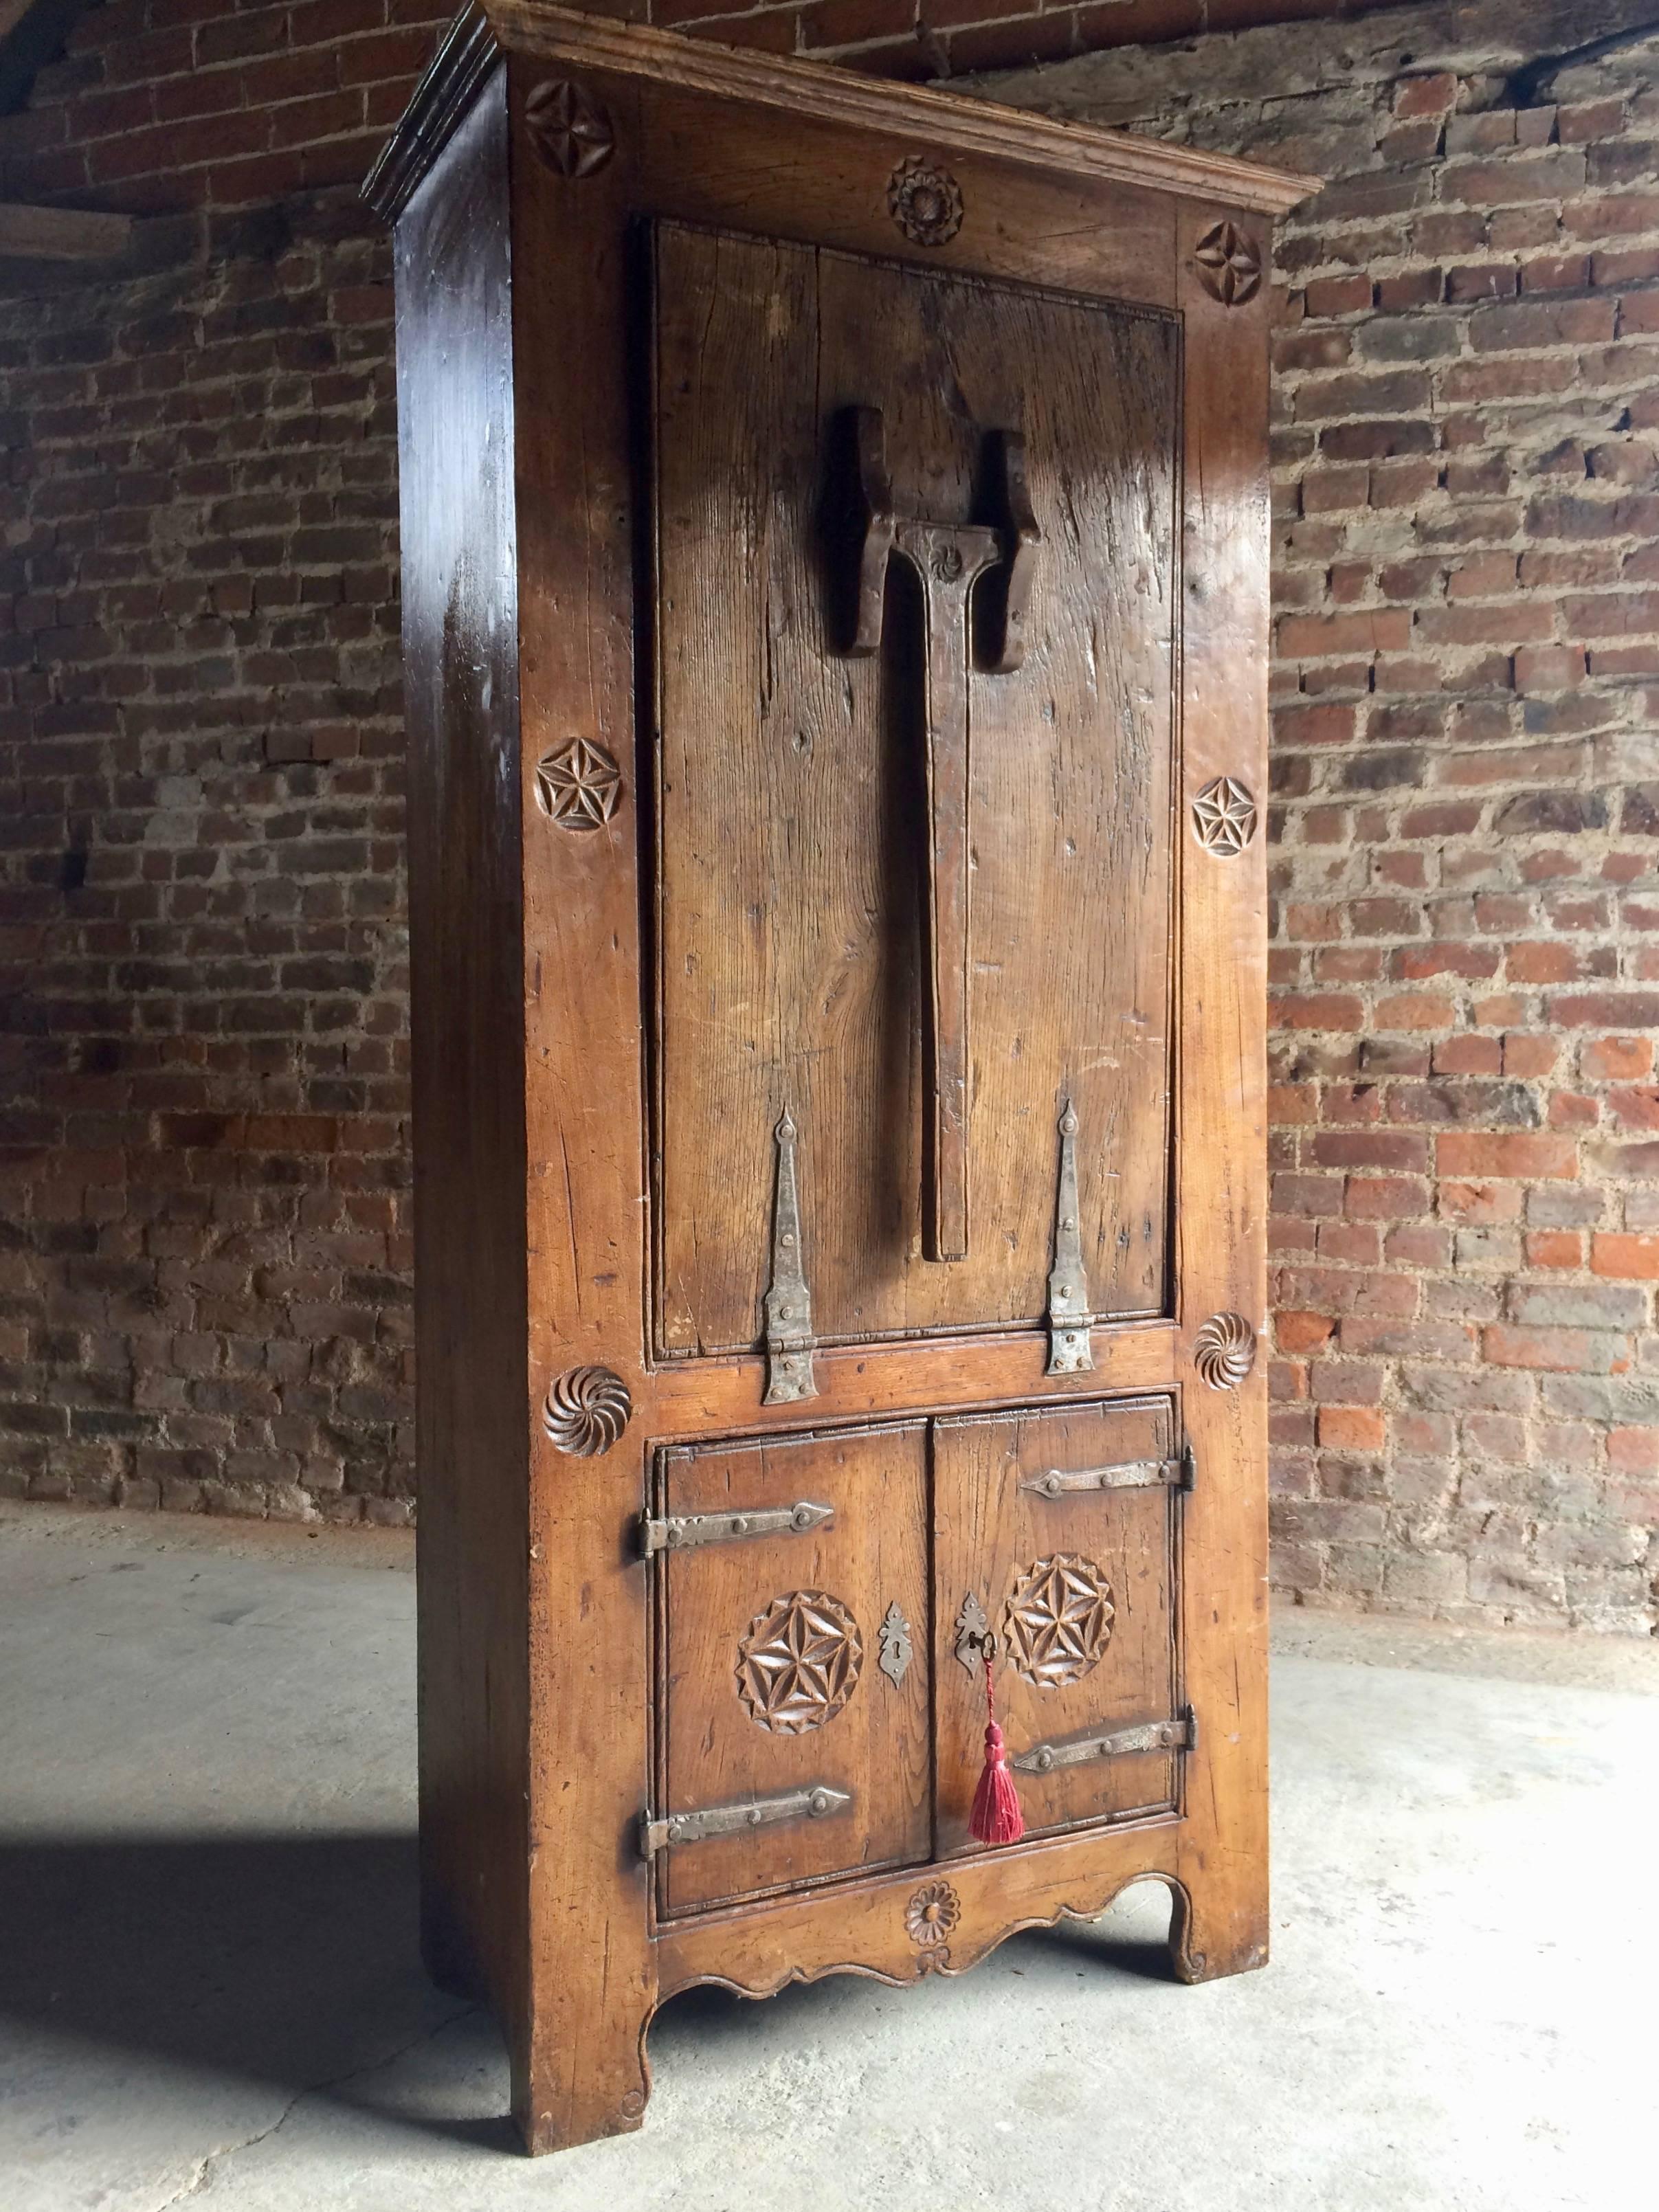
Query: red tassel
[996, 1817]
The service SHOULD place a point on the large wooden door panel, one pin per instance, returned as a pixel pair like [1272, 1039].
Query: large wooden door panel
[791, 870]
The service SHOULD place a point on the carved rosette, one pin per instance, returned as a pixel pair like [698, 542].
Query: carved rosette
[568, 128]
[579, 784]
[931, 1916]
[1224, 1350]
[1229, 264]
[925, 201]
[586, 1411]
[1224, 816]
[1059, 1620]
[799, 1662]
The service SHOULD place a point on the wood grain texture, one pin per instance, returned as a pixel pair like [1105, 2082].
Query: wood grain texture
[612, 1016]
[580, 2073]
[791, 787]
[455, 426]
[805, 91]
[987, 1533]
[1221, 1151]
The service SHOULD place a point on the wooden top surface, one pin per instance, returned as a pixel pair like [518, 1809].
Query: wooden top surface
[806, 88]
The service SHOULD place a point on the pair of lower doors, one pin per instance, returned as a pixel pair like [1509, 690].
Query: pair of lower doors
[819, 1602]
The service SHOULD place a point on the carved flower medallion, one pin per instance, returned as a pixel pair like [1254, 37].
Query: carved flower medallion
[1224, 816]
[1059, 1620]
[586, 1411]
[568, 128]
[1224, 1350]
[579, 784]
[925, 201]
[799, 1662]
[930, 1915]
[1229, 264]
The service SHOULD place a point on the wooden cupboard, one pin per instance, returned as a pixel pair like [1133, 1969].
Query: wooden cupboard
[834, 584]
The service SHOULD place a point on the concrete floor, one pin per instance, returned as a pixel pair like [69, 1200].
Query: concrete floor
[209, 1989]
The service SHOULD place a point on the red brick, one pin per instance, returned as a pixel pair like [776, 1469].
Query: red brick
[1352, 1428]
[1625, 1258]
[1480, 1204]
[1303, 1331]
[1633, 1451]
[1615, 1059]
[1432, 95]
[1468, 1153]
[1553, 1351]
[1417, 1009]
[1529, 1056]
[1554, 1247]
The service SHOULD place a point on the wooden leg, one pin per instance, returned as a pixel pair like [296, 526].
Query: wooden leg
[1217, 1929]
[596, 2085]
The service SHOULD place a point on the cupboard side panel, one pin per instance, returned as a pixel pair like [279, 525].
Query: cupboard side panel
[576, 348]
[459, 625]
[1221, 1155]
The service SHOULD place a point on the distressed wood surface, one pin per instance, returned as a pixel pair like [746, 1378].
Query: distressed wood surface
[875, 1746]
[794, 868]
[460, 648]
[989, 1535]
[637, 951]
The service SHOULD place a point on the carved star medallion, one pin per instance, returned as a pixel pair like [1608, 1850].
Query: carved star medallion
[799, 1662]
[1058, 1620]
[579, 784]
[568, 128]
[1224, 815]
[1229, 264]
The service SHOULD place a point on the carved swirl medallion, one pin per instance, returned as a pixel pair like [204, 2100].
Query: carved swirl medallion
[578, 785]
[1229, 264]
[586, 1411]
[1224, 816]
[1059, 1620]
[1224, 1350]
[568, 128]
[799, 1662]
[930, 1915]
[925, 201]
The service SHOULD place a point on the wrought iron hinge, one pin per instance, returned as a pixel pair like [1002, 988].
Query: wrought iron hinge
[680, 1531]
[1123, 1475]
[1188, 1477]
[1110, 1743]
[1069, 1352]
[788, 1302]
[815, 1802]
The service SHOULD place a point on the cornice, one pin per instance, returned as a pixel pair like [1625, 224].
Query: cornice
[802, 89]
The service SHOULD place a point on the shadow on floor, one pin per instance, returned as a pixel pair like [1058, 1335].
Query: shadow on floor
[295, 1960]
[288, 1959]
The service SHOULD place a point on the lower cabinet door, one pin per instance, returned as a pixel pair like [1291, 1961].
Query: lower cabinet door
[792, 1661]
[1058, 1527]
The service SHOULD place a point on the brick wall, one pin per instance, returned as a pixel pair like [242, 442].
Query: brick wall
[1466, 957]
[204, 1278]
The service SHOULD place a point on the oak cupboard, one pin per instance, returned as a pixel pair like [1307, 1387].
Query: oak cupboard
[835, 531]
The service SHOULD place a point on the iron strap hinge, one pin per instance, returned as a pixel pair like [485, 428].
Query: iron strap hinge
[1123, 1474]
[680, 1531]
[1110, 1743]
[788, 1303]
[815, 1803]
